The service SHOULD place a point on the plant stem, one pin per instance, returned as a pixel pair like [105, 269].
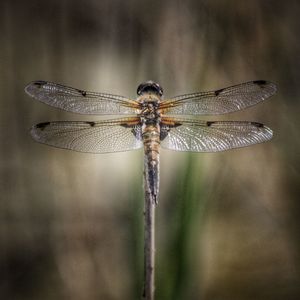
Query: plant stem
[149, 245]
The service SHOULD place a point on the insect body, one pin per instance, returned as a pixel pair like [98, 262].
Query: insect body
[151, 122]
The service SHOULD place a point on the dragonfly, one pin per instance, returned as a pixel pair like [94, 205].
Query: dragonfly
[149, 121]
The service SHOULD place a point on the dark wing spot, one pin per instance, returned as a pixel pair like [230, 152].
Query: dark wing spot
[40, 83]
[42, 126]
[261, 83]
[209, 123]
[217, 92]
[130, 124]
[83, 93]
[164, 130]
[126, 125]
[257, 124]
[137, 132]
[92, 124]
[176, 124]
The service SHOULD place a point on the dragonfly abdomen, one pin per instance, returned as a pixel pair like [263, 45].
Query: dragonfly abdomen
[151, 140]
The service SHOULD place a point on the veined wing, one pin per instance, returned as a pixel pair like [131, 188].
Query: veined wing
[79, 101]
[202, 136]
[221, 101]
[94, 137]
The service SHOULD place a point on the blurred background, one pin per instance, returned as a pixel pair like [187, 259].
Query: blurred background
[72, 224]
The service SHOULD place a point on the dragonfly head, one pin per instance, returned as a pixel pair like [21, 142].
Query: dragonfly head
[149, 87]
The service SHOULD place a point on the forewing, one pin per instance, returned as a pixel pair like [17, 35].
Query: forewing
[221, 101]
[94, 137]
[201, 136]
[79, 101]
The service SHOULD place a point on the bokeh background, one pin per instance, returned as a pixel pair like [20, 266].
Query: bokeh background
[72, 223]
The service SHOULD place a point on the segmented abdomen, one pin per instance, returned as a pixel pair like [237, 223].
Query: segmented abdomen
[151, 139]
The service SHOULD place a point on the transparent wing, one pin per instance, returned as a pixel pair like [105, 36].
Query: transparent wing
[94, 137]
[221, 101]
[202, 136]
[79, 101]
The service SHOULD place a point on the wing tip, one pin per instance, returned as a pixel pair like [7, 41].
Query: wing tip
[36, 129]
[33, 86]
[33, 132]
[269, 133]
[265, 130]
[264, 84]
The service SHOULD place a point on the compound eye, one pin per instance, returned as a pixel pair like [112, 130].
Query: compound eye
[149, 87]
[159, 89]
[140, 89]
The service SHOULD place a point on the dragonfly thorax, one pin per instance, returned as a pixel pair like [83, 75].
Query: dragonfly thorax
[149, 105]
[150, 111]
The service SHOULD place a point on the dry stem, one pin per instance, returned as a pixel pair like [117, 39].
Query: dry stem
[149, 246]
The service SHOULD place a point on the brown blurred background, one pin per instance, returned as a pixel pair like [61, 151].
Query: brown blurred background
[72, 224]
